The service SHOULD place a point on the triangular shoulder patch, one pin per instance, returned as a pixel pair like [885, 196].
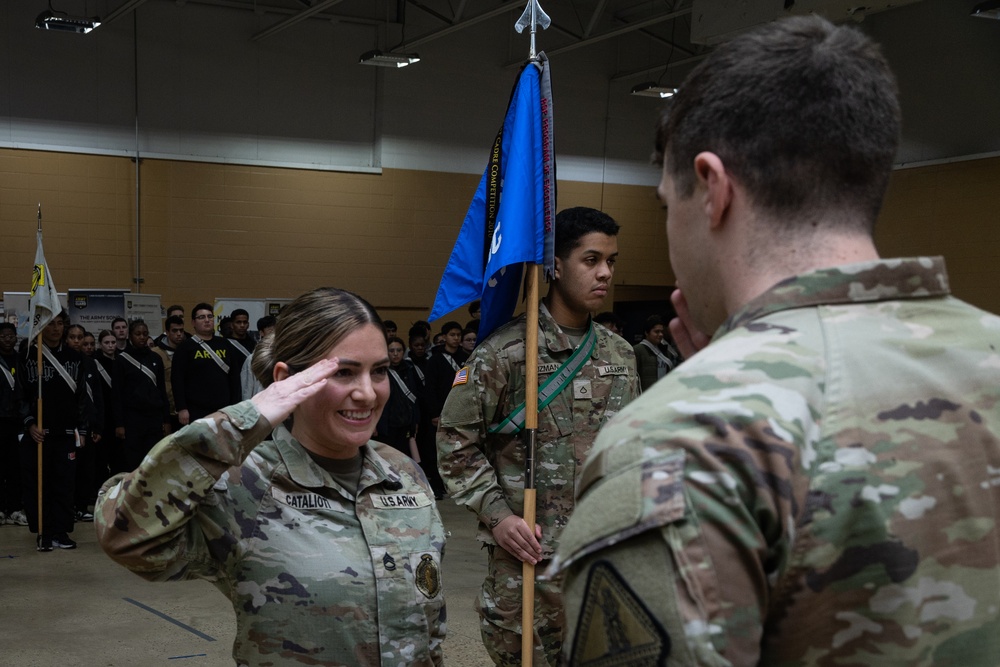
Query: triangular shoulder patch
[615, 628]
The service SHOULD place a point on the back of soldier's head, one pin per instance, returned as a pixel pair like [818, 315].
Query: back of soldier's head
[802, 113]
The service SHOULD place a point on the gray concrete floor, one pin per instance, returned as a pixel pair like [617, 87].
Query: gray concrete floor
[78, 608]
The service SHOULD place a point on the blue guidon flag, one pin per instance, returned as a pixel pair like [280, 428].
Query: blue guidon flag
[511, 218]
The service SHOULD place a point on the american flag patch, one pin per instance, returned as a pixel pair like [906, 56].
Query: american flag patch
[461, 377]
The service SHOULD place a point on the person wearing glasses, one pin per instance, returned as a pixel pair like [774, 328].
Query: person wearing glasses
[204, 376]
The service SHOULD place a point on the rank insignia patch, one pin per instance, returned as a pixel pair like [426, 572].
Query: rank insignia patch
[428, 576]
[615, 629]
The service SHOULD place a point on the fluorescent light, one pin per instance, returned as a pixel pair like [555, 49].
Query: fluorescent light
[380, 59]
[987, 10]
[653, 89]
[49, 20]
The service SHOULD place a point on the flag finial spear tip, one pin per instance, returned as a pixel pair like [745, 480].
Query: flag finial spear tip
[39, 216]
[533, 16]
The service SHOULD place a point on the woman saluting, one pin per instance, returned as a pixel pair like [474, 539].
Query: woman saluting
[328, 544]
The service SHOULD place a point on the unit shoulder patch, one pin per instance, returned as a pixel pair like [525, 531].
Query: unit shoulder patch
[615, 629]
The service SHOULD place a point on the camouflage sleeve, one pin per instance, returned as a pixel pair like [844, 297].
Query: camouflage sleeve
[687, 509]
[463, 458]
[163, 520]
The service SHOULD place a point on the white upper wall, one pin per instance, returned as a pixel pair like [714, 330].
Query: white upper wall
[206, 91]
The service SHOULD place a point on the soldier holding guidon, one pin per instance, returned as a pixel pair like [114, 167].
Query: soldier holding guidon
[589, 374]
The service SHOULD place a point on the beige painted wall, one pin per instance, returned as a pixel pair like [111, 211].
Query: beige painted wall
[235, 231]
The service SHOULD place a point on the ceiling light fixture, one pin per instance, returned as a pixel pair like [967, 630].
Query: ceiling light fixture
[987, 10]
[60, 21]
[653, 89]
[379, 59]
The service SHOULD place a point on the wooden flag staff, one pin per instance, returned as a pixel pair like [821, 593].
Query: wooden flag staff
[533, 16]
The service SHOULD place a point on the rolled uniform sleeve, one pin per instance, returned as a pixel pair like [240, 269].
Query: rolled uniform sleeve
[464, 463]
[166, 520]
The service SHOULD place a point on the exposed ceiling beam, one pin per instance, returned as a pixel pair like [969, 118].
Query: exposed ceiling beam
[259, 8]
[638, 25]
[292, 20]
[122, 9]
[671, 65]
[598, 10]
[438, 15]
[462, 25]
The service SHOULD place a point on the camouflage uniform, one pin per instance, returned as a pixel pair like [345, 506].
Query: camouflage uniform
[316, 577]
[485, 472]
[819, 486]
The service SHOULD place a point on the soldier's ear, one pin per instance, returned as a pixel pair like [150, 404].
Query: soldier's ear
[556, 271]
[280, 371]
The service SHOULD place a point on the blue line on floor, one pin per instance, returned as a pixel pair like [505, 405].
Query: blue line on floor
[195, 655]
[172, 620]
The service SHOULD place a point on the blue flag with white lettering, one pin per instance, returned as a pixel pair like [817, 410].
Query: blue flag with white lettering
[511, 217]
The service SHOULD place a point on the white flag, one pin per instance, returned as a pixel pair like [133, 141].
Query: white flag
[44, 302]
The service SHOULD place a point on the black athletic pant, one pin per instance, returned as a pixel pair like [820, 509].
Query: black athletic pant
[10, 467]
[58, 481]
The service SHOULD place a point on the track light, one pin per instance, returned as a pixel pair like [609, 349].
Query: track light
[652, 89]
[60, 21]
[987, 10]
[379, 59]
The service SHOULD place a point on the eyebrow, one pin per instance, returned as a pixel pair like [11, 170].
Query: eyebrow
[358, 364]
[598, 252]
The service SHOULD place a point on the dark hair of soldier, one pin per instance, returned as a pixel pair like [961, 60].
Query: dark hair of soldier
[202, 306]
[802, 113]
[572, 224]
[172, 320]
[449, 326]
[135, 324]
[309, 327]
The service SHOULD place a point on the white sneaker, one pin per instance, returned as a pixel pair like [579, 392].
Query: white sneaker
[17, 518]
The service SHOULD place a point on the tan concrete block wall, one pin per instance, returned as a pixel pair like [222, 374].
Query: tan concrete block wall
[951, 210]
[236, 231]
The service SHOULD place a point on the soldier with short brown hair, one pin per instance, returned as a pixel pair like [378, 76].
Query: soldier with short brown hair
[820, 485]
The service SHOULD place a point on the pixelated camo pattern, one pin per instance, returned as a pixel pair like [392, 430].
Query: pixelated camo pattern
[316, 576]
[823, 479]
[485, 472]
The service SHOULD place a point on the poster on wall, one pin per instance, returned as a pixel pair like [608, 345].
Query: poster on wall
[145, 307]
[95, 309]
[256, 308]
[15, 305]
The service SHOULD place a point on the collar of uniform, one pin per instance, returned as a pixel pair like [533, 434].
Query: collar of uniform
[880, 280]
[308, 474]
[376, 470]
[555, 339]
